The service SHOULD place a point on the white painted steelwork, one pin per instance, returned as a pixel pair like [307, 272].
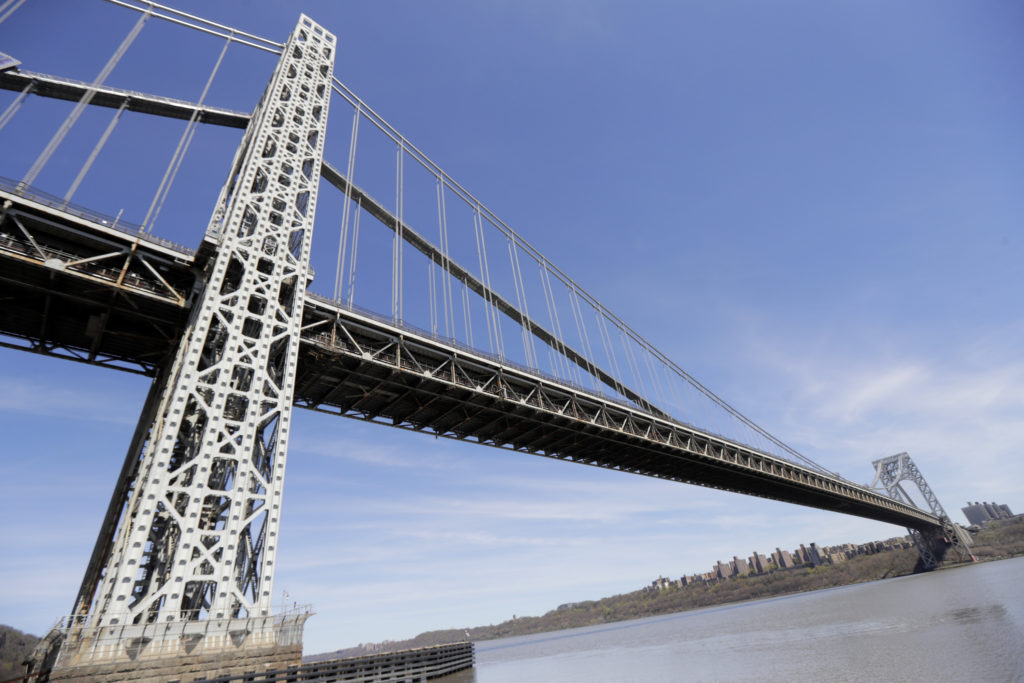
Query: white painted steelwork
[198, 537]
[889, 472]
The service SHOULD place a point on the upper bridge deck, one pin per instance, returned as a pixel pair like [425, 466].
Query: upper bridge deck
[82, 286]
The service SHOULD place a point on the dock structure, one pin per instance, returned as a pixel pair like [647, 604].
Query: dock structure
[418, 664]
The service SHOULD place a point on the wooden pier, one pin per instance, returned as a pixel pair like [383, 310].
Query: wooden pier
[419, 664]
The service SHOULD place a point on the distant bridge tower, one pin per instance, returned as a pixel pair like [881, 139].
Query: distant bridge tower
[198, 504]
[889, 472]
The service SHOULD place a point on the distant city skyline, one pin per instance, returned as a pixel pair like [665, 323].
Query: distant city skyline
[759, 563]
[980, 513]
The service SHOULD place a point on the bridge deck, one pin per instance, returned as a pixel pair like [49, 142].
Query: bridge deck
[76, 287]
[59, 88]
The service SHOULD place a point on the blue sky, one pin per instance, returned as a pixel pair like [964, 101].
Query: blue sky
[814, 208]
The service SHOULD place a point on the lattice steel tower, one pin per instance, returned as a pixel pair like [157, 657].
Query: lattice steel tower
[198, 505]
[889, 472]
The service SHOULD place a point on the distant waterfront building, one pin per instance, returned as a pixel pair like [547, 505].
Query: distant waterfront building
[661, 583]
[739, 567]
[783, 560]
[981, 513]
[804, 555]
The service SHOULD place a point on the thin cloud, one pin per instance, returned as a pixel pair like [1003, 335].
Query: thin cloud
[45, 398]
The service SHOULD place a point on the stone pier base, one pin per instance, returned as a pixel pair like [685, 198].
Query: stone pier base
[183, 668]
[181, 651]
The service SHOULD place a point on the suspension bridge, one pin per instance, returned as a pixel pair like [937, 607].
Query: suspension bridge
[439, 318]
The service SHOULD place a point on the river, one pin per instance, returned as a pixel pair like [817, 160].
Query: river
[963, 624]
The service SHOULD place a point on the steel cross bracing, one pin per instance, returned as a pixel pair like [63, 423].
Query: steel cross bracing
[889, 472]
[52, 86]
[198, 500]
[764, 464]
[199, 537]
[573, 360]
[358, 365]
[89, 288]
[355, 364]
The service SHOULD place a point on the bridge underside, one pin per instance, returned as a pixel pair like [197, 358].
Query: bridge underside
[75, 287]
[357, 366]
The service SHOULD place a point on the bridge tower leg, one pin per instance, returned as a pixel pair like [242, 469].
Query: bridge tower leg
[932, 544]
[188, 577]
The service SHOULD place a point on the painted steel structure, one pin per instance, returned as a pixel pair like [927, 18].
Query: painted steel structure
[233, 341]
[931, 543]
[363, 365]
[200, 533]
[197, 507]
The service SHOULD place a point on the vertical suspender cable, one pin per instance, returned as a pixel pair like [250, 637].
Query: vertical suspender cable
[499, 336]
[164, 187]
[568, 367]
[396, 256]
[581, 328]
[352, 259]
[5, 12]
[527, 321]
[349, 177]
[61, 133]
[467, 318]
[401, 228]
[446, 283]
[183, 144]
[631, 364]
[601, 313]
[95, 151]
[478, 232]
[609, 349]
[552, 353]
[16, 104]
[433, 296]
[656, 387]
[524, 313]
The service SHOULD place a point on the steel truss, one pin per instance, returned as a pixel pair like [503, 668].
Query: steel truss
[932, 544]
[87, 295]
[197, 538]
[360, 366]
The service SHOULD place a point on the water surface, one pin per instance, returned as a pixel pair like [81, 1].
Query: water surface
[964, 624]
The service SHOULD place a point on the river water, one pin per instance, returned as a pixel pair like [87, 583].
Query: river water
[964, 624]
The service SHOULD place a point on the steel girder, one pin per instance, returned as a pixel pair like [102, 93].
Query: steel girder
[198, 535]
[45, 85]
[932, 544]
[360, 366]
[550, 404]
[87, 295]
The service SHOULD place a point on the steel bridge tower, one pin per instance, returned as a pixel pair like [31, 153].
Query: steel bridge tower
[932, 546]
[185, 559]
[180, 580]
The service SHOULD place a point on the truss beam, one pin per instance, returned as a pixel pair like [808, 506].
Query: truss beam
[363, 367]
[69, 89]
[932, 544]
[197, 538]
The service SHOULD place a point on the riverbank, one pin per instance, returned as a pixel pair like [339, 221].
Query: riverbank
[995, 542]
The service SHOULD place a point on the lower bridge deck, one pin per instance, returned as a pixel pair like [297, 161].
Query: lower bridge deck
[75, 286]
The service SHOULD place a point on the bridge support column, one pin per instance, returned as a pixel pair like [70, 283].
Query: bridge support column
[932, 543]
[191, 569]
